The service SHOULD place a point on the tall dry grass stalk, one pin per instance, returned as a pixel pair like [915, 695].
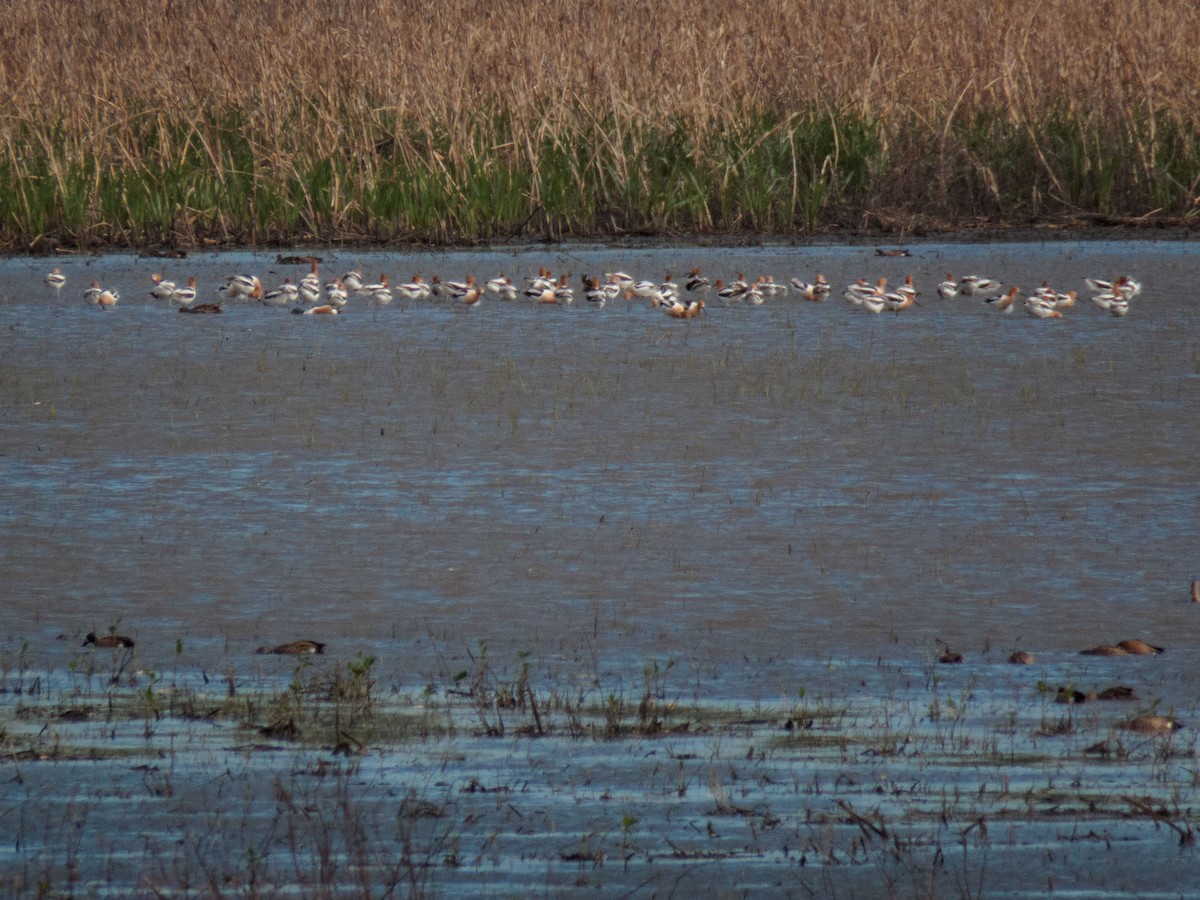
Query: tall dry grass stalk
[466, 119]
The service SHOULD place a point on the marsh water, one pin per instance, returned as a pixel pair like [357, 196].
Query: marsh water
[761, 521]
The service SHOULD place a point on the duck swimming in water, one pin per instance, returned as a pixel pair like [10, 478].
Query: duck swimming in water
[108, 641]
[295, 648]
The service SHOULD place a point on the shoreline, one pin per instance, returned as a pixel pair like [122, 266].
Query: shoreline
[1046, 231]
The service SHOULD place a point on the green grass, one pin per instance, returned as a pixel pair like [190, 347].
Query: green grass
[491, 177]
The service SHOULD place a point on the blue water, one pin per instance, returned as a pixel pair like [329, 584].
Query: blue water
[760, 514]
[793, 480]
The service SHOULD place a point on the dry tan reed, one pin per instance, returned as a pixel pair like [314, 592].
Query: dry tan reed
[1013, 108]
[91, 60]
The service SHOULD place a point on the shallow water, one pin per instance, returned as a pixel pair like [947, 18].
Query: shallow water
[769, 500]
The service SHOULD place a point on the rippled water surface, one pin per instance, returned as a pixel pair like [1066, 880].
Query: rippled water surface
[763, 499]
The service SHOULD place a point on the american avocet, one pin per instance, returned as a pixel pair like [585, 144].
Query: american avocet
[898, 300]
[462, 290]
[620, 278]
[593, 292]
[666, 292]
[163, 289]
[92, 294]
[373, 286]
[612, 288]
[815, 292]
[295, 648]
[546, 295]
[694, 308]
[353, 281]
[541, 288]
[1127, 287]
[728, 292]
[969, 285]
[668, 289]
[1041, 309]
[948, 288]
[472, 295]
[456, 290]
[645, 289]
[335, 293]
[696, 283]
[108, 641]
[562, 293]
[447, 290]
[108, 298]
[1065, 301]
[1112, 303]
[309, 289]
[769, 287]
[185, 295]
[243, 287]
[502, 288]
[1045, 292]
[538, 283]
[902, 297]
[307, 293]
[326, 309]
[673, 307]
[872, 299]
[873, 303]
[854, 293]
[1122, 286]
[284, 295]
[1003, 302]
[417, 289]
[1107, 300]
[380, 291]
[55, 279]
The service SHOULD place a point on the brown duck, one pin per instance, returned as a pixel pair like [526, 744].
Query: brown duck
[108, 642]
[1151, 725]
[295, 648]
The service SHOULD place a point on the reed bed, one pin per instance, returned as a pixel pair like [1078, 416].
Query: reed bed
[465, 120]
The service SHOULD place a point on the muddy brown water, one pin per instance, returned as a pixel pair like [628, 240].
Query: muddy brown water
[768, 505]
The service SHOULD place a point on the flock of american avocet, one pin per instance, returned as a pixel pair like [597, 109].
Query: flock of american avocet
[312, 297]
